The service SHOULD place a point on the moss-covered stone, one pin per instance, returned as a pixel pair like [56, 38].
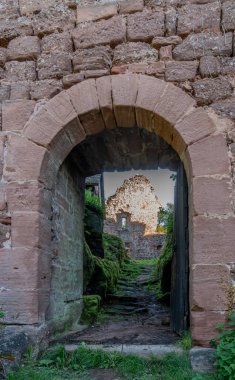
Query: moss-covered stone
[91, 308]
[114, 248]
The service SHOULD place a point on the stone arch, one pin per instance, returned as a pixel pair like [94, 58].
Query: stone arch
[34, 157]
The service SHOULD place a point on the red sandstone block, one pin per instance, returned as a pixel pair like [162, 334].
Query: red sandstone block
[158, 42]
[29, 7]
[180, 71]
[215, 279]
[57, 43]
[228, 15]
[209, 66]
[84, 97]
[96, 12]
[204, 202]
[20, 166]
[28, 196]
[171, 16]
[96, 73]
[149, 92]
[10, 29]
[57, 20]
[131, 6]
[45, 89]
[166, 53]
[16, 113]
[20, 71]
[34, 232]
[92, 34]
[72, 79]
[23, 48]
[20, 90]
[203, 326]
[195, 126]
[134, 52]
[124, 93]
[210, 90]
[98, 58]
[213, 239]
[199, 18]
[3, 56]
[53, 65]
[104, 91]
[9, 8]
[143, 26]
[204, 161]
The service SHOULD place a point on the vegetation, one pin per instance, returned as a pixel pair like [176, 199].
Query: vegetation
[93, 202]
[1, 313]
[56, 364]
[91, 308]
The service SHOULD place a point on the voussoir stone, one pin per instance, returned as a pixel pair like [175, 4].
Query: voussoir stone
[97, 58]
[131, 52]
[92, 34]
[197, 18]
[228, 15]
[210, 90]
[96, 12]
[198, 45]
[57, 42]
[53, 65]
[23, 48]
[181, 70]
[143, 26]
[209, 66]
[20, 71]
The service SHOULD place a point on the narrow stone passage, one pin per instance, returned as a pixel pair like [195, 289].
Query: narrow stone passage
[132, 314]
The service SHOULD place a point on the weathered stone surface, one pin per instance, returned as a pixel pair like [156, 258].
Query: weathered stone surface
[29, 7]
[84, 97]
[228, 65]
[57, 43]
[213, 278]
[96, 12]
[207, 164]
[92, 34]
[98, 58]
[144, 26]
[10, 29]
[20, 90]
[181, 71]
[228, 15]
[104, 92]
[157, 69]
[45, 89]
[96, 73]
[53, 65]
[134, 52]
[197, 18]
[171, 21]
[72, 79]
[164, 41]
[2, 73]
[202, 359]
[23, 48]
[9, 9]
[20, 71]
[16, 113]
[203, 326]
[201, 44]
[203, 202]
[4, 92]
[209, 66]
[124, 93]
[209, 90]
[225, 108]
[219, 236]
[53, 20]
[165, 53]
[130, 6]
[3, 56]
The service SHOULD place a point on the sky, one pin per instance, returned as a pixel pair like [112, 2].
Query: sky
[160, 180]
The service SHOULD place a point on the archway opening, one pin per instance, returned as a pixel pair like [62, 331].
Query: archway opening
[114, 150]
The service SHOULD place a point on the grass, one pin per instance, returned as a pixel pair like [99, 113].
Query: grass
[56, 364]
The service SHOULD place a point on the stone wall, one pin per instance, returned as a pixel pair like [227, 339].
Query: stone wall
[67, 247]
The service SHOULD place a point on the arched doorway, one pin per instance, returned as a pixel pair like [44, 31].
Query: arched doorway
[33, 160]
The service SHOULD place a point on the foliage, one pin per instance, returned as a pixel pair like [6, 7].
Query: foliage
[186, 340]
[91, 308]
[225, 351]
[57, 364]
[106, 276]
[1, 314]
[114, 248]
[93, 202]
[163, 216]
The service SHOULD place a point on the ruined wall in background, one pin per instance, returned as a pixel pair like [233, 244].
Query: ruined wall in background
[67, 246]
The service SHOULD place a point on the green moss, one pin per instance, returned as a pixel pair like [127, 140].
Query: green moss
[114, 248]
[94, 203]
[91, 308]
[106, 275]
